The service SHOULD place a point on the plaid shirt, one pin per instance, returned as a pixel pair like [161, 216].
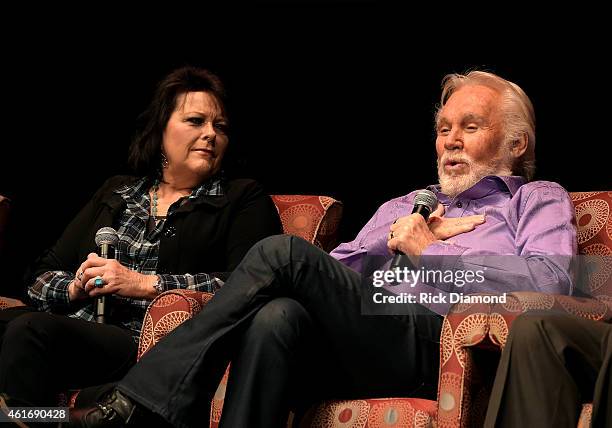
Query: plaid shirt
[137, 249]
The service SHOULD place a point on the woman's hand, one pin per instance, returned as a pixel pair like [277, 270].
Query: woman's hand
[116, 278]
[76, 291]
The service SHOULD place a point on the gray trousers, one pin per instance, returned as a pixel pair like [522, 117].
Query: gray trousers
[552, 363]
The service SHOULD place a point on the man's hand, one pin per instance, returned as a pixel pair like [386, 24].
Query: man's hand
[410, 235]
[444, 227]
[117, 279]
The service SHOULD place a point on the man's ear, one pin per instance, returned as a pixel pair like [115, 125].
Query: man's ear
[519, 146]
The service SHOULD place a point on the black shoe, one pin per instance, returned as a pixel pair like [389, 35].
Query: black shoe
[115, 410]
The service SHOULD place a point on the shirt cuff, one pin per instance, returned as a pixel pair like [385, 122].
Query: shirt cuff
[60, 292]
[199, 282]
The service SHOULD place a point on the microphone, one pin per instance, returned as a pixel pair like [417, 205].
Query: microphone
[425, 202]
[106, 238]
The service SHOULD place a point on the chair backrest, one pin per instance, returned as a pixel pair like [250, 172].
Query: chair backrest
[313, 218]
[594, 221]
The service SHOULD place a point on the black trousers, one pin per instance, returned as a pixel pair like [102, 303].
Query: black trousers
[44, 354]
[284, 294]
[552, 363]
[9, 314]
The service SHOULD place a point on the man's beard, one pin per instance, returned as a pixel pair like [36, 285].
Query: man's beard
[453, 183]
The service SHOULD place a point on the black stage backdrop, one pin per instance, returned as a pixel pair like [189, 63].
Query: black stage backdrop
[324, 99]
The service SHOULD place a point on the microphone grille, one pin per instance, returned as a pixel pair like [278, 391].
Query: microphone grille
[107, 235]
[427, 198]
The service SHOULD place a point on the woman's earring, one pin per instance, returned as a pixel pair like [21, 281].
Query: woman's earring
[164, 160]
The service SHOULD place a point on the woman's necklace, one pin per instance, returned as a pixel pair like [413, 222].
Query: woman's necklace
[154, 199]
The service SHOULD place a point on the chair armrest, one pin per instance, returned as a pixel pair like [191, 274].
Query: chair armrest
[519, 302]
[7, 302]
[461, 393]
[472, 339]
[166, 312]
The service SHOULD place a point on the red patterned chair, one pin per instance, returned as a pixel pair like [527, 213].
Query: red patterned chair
[471, 340]
[473, 336]
[313, 218]
[316, 221]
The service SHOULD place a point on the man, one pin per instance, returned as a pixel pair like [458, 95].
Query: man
[287, 297]
[558, 362]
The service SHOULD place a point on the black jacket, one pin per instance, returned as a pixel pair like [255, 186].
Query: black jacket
[210, 235]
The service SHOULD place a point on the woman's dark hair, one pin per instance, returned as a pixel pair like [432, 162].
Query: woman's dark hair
[144, 155]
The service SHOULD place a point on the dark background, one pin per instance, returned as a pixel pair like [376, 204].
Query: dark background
[331, 99]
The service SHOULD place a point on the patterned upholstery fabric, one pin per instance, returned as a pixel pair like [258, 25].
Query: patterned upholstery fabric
[372, 413]
[595, 240]
[7, 302]
[461, 391]
[168, 311]
[314, 218]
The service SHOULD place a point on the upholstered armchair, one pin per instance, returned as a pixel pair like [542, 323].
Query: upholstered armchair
[313, 218]
[471, 341]
[473, 336]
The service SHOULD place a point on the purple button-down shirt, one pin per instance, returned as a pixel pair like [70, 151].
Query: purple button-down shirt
[531, 225]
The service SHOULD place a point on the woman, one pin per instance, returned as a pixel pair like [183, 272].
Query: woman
[180, 225]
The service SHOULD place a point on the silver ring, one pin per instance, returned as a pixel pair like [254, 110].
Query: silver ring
[80, 275]
[99, 282]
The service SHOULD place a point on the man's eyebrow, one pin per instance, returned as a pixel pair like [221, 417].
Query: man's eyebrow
[473, 117]
[467, 118]
[442, 121]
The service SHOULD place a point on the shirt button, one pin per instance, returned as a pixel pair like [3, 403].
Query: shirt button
[459, 204]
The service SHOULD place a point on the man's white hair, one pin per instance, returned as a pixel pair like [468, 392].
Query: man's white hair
[519, 117]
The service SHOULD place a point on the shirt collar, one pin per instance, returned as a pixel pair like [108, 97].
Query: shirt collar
[211, 187]
[484, 187]
[137, 195]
